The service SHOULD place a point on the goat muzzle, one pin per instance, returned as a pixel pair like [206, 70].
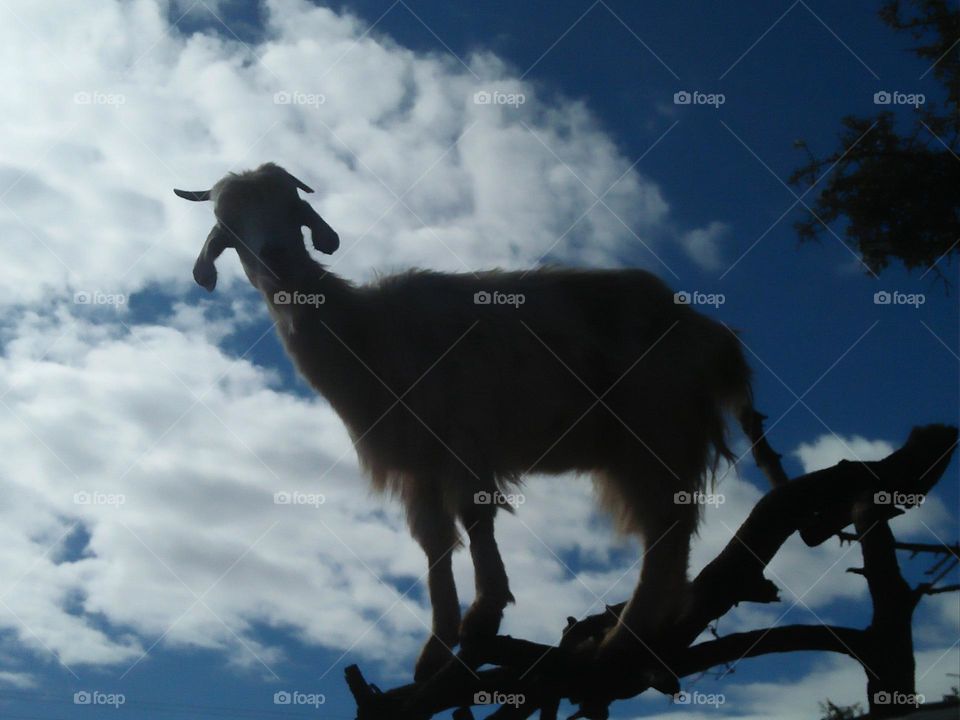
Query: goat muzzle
[324, 237]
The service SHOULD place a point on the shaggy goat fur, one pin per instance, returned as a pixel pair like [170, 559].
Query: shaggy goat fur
[450, 400]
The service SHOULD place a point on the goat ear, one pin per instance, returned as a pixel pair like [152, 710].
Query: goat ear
[204, 270]
[324, 238]
[195, 195]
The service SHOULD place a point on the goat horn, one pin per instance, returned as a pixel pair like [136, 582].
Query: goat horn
[299, 183]
[195, 195]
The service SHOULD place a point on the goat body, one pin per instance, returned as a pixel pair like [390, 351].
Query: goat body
[454, 386]
[595, 371]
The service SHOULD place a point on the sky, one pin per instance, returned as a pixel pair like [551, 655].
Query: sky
[149, 425]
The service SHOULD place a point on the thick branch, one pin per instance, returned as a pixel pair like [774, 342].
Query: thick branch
[783, 639]
[737, 572]
[937, 590]
[735, 575]
[935, 548]
[912, 470]
[766, 458]
[525, 658]
[887, 656]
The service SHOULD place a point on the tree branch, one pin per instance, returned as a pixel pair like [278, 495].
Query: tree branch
[915, 548]
[766, 458]
[545, 674]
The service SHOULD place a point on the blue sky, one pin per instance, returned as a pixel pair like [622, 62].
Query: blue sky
[194, 599]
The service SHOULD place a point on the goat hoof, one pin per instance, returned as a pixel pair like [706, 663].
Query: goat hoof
[621, 653]
[481, 622]
[433, 657]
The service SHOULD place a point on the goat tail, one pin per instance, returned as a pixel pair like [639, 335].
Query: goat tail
[731, 397]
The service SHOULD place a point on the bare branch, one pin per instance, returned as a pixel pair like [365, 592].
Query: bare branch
[766, 458]
[543, 674]
[915, 548]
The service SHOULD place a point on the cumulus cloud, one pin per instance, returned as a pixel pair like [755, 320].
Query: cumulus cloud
[144, 495]
[829, 449]
[411, 166]
[702, 245]
[17, 680]
[838, 679]
[168, 453]
[926, 523]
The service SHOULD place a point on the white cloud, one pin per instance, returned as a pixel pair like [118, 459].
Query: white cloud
[195, 444]
[837, 678]
[408, 168]
[21, 681]
[113, 110]
[702, 245]
[925, 523]
[829, 449]
[181, 448]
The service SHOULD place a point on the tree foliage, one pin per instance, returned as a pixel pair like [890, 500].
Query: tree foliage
[898, 190]
[839, 712]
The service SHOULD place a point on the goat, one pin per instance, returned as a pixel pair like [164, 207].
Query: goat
[454, 386]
